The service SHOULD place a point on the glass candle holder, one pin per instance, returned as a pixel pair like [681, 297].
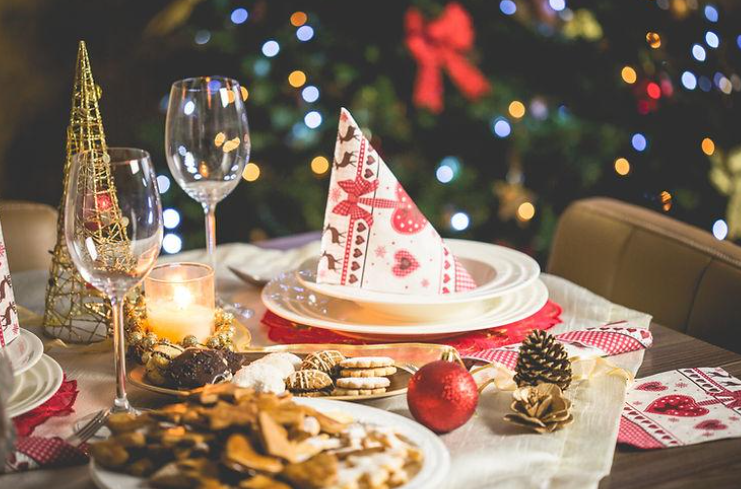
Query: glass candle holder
[180, 301]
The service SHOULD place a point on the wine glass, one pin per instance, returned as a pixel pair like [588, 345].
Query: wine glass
[207, 142]
[113, 229]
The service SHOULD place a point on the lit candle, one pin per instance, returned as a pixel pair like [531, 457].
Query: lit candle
[180, 301]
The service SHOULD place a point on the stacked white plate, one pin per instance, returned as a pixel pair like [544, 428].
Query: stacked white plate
[509, 290]
[37, 376]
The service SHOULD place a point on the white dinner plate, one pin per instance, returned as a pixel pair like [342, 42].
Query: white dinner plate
[497, 271]
[35, 386]
[24, 352]
[434, 468]
[289, 299]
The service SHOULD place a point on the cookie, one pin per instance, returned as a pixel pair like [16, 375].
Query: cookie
[368, 372]
[263, 377]
[363, 383]
[279, 361]
[305, 381]
[358, 392]
[367, 362]
[326, 361]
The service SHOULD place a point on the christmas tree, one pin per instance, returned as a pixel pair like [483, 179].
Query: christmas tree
[495, 115]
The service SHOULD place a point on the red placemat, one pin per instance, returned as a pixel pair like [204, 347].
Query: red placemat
[283, 331]
[60, 404]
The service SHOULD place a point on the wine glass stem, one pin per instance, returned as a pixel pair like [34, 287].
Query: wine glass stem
[210, 212]
[121, 403]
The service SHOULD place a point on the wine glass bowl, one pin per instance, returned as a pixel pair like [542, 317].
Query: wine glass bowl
[113, 230]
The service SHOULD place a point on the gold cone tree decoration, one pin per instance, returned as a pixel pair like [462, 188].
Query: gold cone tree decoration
[75, 311]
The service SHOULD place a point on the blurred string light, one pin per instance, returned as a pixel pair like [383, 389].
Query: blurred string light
[622, 166]
[705, 84]
[525, 211]
[712, 39]
[653, 39]
[501, 127]
[725, 85]
[202, 37]
[261, 67]
[516, 109]
[172, 243]
[711, 13]
[539, 109]
[320, 165]
[653, 90]
[298, 19]
[170, 218]
[189, 107]
[639, 142]
[666, 201]
[720, 229]
[305, 33]
[310, 93]
[738, 41]
[508, 7]
[708, 146]
[629, 75]
[251, 172]
[663, 4]
[698, 52]
[460, 221]
[557, 5]
[239, 16]
[313, 119]
[270, 48]
[689, 81]
[297, 79]
[447, 169]
[163, 184]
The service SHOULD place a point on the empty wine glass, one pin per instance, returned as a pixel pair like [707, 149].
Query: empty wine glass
[113, 229]
[207, 142]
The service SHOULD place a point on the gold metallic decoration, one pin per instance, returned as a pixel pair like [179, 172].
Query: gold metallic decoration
[75, 311]
[542, 408]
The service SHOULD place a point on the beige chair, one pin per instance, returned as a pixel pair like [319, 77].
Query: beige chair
[30, 232]
[683, 276]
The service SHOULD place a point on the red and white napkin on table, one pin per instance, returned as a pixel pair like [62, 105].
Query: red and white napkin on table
[374, 237]
[9, 326]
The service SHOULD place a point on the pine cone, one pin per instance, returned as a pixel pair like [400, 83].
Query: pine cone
[542, 359]
[541, 408]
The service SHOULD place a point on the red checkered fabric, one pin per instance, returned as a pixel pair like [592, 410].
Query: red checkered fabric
[463, 280]
[503, 356]
[35, 452]
[632, 434]
[611, 339]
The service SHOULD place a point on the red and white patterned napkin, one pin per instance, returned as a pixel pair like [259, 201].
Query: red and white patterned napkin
[9, 327]
[610, 339]
[681, 407]
[374, 237]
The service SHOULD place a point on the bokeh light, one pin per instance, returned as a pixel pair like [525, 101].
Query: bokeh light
[698, 52]
[629, 75]
[653, 90]
[708, 146]
[516, 109]
[313, 119]
[525, 211]
[639, 141]
[557, 5]
[666, 200]
[501, 127]
[653, 39]
[239, 15]
[297, 79]
[310, 93]
[170, 218]
[460, 221]
[172, 243]
[163, 183]
[298, 19]
[270, 48]
[189, 107]
[712, 39]
[720, 229]
[711, 13]
[319, 165]
[689, 81]
[202, 37]
[508, 7]
[305, 33]
[444, 174]
[251, 172]
[622, 166]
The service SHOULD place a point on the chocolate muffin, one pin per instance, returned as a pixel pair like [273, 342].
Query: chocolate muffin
[196, 367]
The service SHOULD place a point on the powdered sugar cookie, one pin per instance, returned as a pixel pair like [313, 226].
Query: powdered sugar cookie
[281, 361]
[367, 362]
[368, 372]
[261, 377]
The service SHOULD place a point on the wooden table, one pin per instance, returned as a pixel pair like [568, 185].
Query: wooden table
[713, 465]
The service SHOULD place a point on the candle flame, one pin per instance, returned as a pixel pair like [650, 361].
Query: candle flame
[182, 297]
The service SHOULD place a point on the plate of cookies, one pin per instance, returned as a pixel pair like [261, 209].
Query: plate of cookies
[357, 372]
[227, 436]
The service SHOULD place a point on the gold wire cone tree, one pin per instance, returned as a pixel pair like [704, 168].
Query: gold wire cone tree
[75, 311]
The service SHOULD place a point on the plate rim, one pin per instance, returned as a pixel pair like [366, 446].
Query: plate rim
[365, 296]
[37, 348]
[406, 330]
[58, 378]
[434, 476]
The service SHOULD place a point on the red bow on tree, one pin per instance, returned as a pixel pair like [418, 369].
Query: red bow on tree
[355, 190]
[442, 44]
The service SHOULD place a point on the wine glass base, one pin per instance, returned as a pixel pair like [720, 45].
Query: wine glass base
[235, 308]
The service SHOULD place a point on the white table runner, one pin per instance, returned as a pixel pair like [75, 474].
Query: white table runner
[486, 452]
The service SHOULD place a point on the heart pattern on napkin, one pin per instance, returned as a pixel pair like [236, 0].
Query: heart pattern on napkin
[711, 424]
[677, 405]
[405, 263]
[651, 386]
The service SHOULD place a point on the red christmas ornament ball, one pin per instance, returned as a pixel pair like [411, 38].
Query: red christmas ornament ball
[442, 396]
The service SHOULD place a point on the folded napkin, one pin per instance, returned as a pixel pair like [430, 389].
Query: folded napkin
[374, 237]
[9, 327]
[681, 407]
[284, 331]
